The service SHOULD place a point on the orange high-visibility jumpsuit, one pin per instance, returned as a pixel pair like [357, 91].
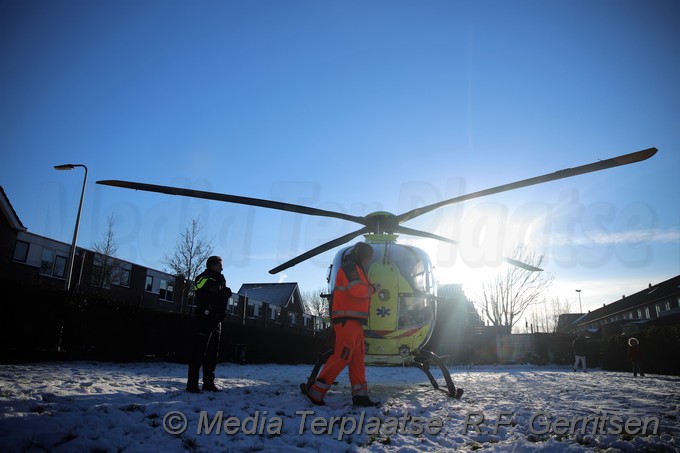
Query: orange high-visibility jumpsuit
[351, 299]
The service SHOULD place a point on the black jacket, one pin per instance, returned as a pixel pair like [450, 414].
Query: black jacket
[579, 346]
[212, 297]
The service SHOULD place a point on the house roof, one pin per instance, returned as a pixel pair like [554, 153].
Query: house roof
[9, 212]
[567, 320]
[279, 294]
[653, 293]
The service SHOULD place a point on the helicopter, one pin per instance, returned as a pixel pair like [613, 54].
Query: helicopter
[404, 309]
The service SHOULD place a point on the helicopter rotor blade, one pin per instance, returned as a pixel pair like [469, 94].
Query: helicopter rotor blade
[522, 265]
[560, 174]
[424, 234]
[232, 199]
[320, 249]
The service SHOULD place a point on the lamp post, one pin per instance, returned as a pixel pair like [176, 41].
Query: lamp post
[579, 301]
[72, 254]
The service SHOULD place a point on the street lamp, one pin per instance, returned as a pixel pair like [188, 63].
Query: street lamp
[579, 300]
[72, 254]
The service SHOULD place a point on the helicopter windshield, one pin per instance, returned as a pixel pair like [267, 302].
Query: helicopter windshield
[419, 274]
[415, 266]
[416, 308]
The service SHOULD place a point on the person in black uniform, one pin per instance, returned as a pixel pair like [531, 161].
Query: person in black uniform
[212, 296]
[579, 347]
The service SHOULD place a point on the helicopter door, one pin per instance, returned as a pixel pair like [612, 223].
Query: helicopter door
[385, 302]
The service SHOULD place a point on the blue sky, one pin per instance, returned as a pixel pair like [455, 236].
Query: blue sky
[352, 107]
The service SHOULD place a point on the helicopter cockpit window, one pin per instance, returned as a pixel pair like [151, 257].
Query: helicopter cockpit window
[415, 308]
[419, 275]
[416, 268]
[414, 311]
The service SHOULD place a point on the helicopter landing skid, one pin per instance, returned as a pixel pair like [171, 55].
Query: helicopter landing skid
[422, 361]
[322, 357]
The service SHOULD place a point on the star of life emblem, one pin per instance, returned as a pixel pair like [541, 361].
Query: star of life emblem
[382, 311]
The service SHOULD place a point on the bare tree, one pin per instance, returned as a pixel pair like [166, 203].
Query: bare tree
[507, 297]
[189, 257]
[316, 305]
[558, 308]
[544, 317]
[107, 268]
[541, 319]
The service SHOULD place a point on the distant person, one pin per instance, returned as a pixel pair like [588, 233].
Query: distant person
[579, 348]
[350, 309]
[212, 297]
[635, 356]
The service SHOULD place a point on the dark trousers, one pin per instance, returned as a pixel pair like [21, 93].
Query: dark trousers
[637, 368]
[204, 354]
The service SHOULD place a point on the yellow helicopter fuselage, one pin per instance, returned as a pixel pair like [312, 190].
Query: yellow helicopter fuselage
[403, 309]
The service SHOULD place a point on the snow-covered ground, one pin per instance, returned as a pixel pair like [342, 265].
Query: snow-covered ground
[141, 407]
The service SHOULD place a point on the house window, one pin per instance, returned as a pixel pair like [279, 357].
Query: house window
[59, 266]
[273, 313]
[97, 275]
[319, 324]
[148, 285]
[20, 251]
[167, 290]
[46, 262]
[121, 277]
[647, 313]
[254, 309]
[232, 306]
[292, 317]
[52, 264]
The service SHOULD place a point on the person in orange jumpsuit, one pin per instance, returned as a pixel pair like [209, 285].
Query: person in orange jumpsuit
[635, 356]
[351, 299]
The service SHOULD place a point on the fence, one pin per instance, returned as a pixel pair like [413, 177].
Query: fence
[45, 325]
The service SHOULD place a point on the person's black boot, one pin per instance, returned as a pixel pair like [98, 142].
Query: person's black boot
[192, 380]
[210, 387]
[363, 401]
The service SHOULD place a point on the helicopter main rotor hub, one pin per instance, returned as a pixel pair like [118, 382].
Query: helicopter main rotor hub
[381, 222]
